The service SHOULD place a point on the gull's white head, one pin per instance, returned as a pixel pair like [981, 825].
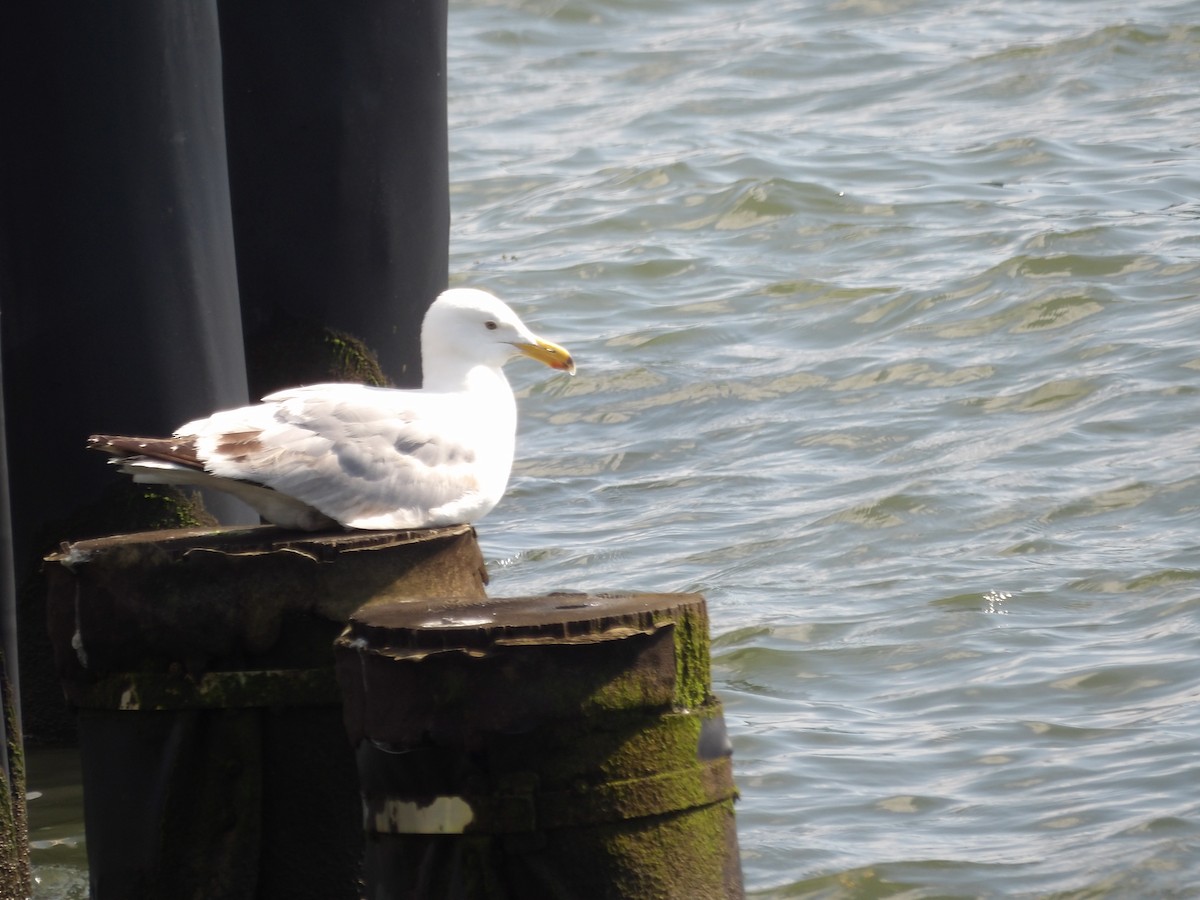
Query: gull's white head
[467, 327]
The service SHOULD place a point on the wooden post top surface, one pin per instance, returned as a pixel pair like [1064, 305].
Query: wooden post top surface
[238, 596]
[246, 540]
[559, 616]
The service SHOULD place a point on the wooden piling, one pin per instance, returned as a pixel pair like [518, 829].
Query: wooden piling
[214, 758]
[566, 746]
[16, 882]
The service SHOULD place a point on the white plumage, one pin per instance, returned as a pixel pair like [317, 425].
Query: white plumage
[366, 457]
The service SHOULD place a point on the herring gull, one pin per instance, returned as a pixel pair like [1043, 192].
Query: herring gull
[367, 457]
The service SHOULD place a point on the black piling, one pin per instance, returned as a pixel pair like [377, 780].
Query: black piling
[15, 877]
[338, 170]
[196, 199]
[215, 761]
[566, 746]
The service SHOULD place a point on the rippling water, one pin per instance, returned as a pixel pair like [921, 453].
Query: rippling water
[887, 328]
[886, 319]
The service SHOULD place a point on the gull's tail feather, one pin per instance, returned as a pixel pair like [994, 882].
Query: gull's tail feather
[174, 461]
[181, 451]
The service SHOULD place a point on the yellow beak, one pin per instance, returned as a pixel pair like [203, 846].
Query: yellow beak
[551, 354]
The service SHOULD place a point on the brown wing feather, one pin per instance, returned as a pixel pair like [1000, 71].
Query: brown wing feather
[170, 449]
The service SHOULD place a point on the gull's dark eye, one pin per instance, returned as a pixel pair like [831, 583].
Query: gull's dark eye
[490, 325]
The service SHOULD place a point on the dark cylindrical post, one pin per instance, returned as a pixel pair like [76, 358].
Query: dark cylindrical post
[174, 176]
[566, 746]
[215, 762]
[336, 118]
[15, 877]
[119, 289]
[118, 281]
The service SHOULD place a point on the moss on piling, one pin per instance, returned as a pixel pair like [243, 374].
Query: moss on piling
[683, 856]
[14, 823]
[693, 667]
[291, 351]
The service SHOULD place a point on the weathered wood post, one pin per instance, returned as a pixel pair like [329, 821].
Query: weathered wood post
[566, 746]
[215, 761]
[16, 881]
